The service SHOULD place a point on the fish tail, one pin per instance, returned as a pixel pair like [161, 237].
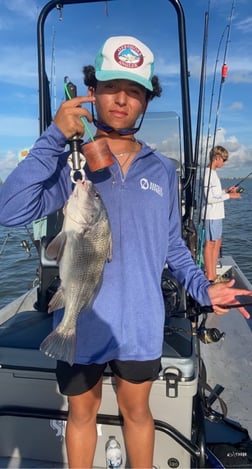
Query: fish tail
[60, 345]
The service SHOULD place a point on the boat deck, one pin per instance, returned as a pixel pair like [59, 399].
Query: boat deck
[228, 363]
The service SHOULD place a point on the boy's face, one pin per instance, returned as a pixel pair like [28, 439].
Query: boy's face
[119, 103]
[219, 161]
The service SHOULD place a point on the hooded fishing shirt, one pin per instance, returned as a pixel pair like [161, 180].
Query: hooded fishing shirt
[126, 319]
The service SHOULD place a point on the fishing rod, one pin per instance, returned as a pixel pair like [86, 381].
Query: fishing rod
[236, 305]
[224, 71]
[240, 189]
[244, 179]
[190, 228]
[211, 110]
[201, 229]
[209, 309]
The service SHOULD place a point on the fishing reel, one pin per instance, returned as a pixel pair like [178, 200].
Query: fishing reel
[208, 335]
[27, 246]
[239, 190]
[172, 294]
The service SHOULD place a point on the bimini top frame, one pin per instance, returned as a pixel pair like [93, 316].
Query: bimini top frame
[44, 99]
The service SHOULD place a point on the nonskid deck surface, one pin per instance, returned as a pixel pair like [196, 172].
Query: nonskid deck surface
[229, 362]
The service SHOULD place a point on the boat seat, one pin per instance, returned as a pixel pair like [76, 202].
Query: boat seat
[24, 332]
[29, 328]
[20, 339]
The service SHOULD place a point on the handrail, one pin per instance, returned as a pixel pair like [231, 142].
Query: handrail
[104, 419]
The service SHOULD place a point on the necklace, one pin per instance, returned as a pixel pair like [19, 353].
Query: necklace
[129, 152]
[124, 163]
[124, 153]
[124, 158]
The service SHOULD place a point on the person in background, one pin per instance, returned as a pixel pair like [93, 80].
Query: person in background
[214, 212]
[140, 192]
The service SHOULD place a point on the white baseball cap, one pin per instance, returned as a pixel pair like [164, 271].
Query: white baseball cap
[125, 57]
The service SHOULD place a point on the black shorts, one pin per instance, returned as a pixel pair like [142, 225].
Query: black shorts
[77, 379]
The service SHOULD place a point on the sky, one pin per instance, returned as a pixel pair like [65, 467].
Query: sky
[73, 36]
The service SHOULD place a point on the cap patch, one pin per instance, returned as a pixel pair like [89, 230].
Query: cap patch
[129, 56]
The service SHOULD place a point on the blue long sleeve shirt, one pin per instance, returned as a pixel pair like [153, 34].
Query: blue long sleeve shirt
[126, 318]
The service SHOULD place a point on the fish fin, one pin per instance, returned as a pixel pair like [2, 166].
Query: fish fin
[61, 346]
[56, 247]
[57, 301]
[109, 255]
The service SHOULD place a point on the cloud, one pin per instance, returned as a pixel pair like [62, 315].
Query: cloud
[18, 65]
[240, 156]
[16, 133]
[236, 106]
[25, 8]
[240, 76]
[18, 126]
[239, 68]
[245, 25]
[8, 162]
[194, 63]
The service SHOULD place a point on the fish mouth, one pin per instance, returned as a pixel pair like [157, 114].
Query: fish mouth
[81, 182]
[83, 186]
[84, 183]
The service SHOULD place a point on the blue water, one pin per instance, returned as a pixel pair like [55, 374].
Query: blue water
[18, 268]
[237, 228]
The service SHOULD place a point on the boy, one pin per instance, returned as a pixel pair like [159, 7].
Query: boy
[124, 325]
[214, 213]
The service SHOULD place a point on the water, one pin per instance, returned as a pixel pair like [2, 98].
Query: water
[237, 228]
[18, 268]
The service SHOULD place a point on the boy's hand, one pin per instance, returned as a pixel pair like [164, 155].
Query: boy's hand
[222, 294]
[68, 116]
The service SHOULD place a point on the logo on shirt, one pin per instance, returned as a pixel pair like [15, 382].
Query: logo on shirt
[146, 185]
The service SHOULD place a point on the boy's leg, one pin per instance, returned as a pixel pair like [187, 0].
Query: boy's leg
[138, 427]
[81, 432]
[210, 259]
[133, 385]
[83, 386]
[213, 233]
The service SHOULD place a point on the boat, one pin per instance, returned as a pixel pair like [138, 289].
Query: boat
[201, 413]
